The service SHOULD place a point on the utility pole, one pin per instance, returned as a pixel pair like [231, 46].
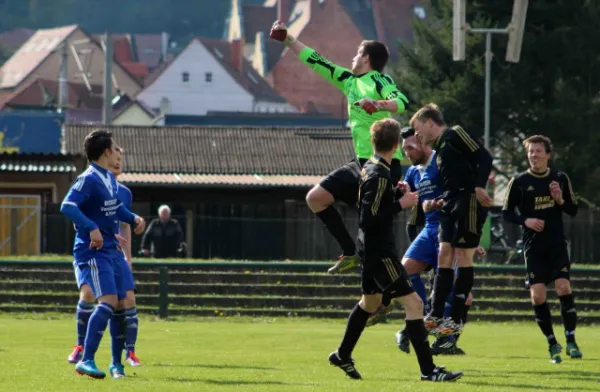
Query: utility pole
[63, 78]
[108, 57]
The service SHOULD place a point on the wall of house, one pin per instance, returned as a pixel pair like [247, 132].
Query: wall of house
[273, 107]
[92, 64]
[197, 96]
[134, 115]
[296, 82]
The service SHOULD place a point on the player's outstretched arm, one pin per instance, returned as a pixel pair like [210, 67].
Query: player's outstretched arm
[331, 72]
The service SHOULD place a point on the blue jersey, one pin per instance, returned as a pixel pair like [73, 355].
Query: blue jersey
[426, 180]
[92, 203]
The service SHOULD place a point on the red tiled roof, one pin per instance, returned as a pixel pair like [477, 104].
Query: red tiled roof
[139, 70]
[31, 54]
[248, 78]
[122, 50]
[44, 92]
[211, 179]
[225, 150]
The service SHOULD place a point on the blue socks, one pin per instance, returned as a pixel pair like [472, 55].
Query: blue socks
[131, 320]
[117, 335]
[83, 314]
[419, 288]
[96, 327]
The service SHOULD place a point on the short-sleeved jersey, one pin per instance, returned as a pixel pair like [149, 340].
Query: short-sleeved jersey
[374, 85]
[529, 193]
[462, 162]
[94, 192]
[425, 179]
[376, 209]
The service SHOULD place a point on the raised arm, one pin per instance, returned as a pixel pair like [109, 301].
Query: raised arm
[333, 73]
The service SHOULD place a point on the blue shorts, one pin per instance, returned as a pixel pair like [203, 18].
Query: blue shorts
[425, 247]
[103, 273]
[85, 275]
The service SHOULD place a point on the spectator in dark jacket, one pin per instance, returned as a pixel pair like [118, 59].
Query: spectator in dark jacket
[164, 235]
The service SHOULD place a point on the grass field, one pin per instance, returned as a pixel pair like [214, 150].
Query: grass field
[235, 354]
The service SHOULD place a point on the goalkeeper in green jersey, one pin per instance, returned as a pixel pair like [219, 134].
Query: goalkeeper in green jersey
[371, 96]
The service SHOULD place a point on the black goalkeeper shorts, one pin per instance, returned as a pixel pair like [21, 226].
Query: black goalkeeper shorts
[343, 183]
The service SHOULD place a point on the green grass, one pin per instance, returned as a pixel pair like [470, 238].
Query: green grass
[234, 354]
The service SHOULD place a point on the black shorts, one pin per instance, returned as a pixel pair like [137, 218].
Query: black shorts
[461, 221]
[546, 264]
[343, 183]
[385, 274]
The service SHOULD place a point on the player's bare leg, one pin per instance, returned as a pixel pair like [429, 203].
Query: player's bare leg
[320, 201]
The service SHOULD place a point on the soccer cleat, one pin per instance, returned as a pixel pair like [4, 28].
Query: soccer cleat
[440, 374]
[431, 323]
[132, 359]
[555, 351]
[402, 341]
[380, 314]
[346, 365]
[447, 328]
[90, 369]
[573, 351]
[76, 355]
[446, 346]
[116, 370]
[344, 263]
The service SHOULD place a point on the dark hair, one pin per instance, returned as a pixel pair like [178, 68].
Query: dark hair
[431, 111]
[407, 132]
[378, 54]
[535, 139]
[385, 134]
[96, 143]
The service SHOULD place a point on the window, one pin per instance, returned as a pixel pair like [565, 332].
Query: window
[208, 77]
[185, 77]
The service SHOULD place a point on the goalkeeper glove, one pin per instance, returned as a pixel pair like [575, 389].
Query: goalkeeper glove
[369, 105]
[279, 32]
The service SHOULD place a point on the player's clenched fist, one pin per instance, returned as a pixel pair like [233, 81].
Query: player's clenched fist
[279, 32]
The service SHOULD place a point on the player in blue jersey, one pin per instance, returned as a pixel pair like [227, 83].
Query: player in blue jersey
[93, 206]
[126, 309]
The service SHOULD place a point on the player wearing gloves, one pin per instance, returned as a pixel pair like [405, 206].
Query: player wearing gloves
[371, 96]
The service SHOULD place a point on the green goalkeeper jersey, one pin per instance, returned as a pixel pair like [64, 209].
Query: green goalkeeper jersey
[374, 85]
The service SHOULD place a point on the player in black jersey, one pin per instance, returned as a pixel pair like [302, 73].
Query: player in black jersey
[464, 168]
[381, 268]
[541, 195]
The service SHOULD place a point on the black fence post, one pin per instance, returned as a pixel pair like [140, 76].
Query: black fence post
[163, 292]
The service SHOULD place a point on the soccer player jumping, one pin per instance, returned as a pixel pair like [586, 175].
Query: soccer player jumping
[371, 96]
[464, 168]
[92, 204]
[381, 268]
[541, 195]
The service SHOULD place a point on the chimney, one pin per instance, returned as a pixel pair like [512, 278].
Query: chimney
[164, 46]
[283, 10]
[237, 54]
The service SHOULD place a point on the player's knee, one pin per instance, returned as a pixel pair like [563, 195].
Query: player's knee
[130, 299]
[86, 294]
[109, 299]
[318, 198]
[413, 305]
[538, 297]
[446, 255]
[413, 266]
[464, 257]
[562, 286]
[370, 303]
